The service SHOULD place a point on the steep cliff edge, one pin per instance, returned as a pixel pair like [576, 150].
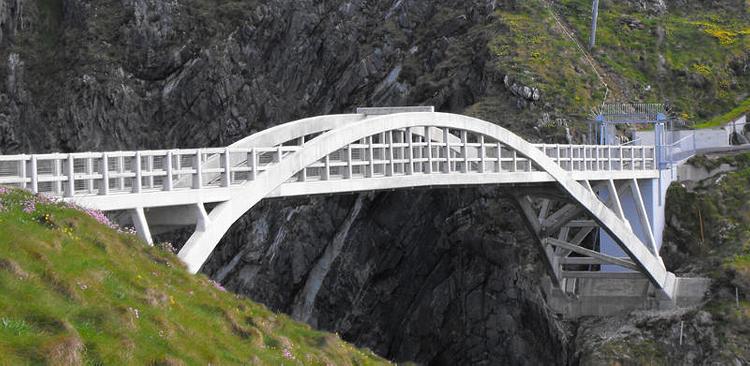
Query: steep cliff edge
[441, 277]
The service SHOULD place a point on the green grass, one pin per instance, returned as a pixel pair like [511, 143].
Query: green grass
[78, 292]
[742, 109]
[531, 49]
[688, 57]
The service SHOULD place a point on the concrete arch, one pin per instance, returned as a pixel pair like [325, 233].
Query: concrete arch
[343, 132]
[292, 130]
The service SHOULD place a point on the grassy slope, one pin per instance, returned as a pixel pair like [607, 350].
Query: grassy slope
[533, 50]
[75, 290]
[688, 56]
[691, 58]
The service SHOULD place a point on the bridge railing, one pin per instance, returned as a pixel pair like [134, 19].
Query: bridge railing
[389, 154]
[101, 173]
[601, 157]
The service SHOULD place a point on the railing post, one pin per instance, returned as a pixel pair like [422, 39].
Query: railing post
[104, 185]
[168, 185]
[227, 168]
[349, 167]
[137, 183]
[391, 165]
[446, 134]
[482, 153]
[499, 157]
[658, 142]
[596, 158]
[150, 168]
[90, 173]
[253, 164]
[57, 172]
[33, 171]
[570, 157]
[464, 141]
[198, 163]
[371, 156]
[22, 167]
[582, 163]
[70, 186]
[411, 151]
[121, 171]
[327, 168]
[428, 138]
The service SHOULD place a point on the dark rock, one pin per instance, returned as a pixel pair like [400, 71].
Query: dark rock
[428, 276]
[438, 277]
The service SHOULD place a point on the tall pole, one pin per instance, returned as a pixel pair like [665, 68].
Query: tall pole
[594, 16]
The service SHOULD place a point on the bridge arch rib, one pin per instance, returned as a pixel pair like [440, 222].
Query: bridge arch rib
[338, 133]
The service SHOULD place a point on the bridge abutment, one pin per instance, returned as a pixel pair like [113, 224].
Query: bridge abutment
[617, 294]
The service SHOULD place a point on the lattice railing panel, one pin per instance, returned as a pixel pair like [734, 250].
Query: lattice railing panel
[406, 151]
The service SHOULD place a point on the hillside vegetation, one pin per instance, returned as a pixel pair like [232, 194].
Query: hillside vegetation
[709, 234]
[76, 290]
[695, 58]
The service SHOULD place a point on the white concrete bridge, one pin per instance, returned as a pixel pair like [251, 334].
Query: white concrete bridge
[576, 198]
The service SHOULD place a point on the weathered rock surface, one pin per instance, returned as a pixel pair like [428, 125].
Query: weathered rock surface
[437, 277]
[445, 277]
[441, 277]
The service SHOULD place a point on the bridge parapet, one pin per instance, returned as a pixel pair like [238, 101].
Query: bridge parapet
[395, 153]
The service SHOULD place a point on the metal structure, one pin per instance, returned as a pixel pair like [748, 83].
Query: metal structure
[608, 116]
[594, 18]
[567, 193]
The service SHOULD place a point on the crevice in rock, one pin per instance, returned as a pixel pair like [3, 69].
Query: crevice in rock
[305, 299]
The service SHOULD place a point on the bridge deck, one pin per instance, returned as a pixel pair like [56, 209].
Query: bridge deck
[154, 178]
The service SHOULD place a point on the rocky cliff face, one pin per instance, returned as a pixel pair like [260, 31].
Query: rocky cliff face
[441, 277]
[436, 277]
[445, 277]
[139, 73]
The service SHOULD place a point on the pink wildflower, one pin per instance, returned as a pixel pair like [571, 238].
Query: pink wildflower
[100, 217]
[287, 354]
[29, 206]
[4, 190]
[218, 285]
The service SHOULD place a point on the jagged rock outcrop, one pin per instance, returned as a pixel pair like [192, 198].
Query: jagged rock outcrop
[684, 337]
[528, 93]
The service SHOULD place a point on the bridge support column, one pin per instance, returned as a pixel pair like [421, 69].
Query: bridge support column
[141, 225]
[641, 210]
[201, 217]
